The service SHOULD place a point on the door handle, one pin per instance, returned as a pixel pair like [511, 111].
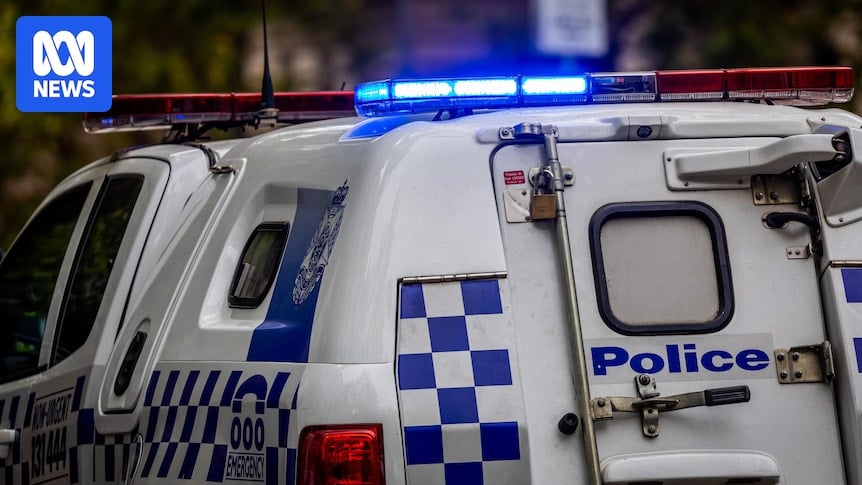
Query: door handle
[7, 438]
[603, 407]
[650, 403]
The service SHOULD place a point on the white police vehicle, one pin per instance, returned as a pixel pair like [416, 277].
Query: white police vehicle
[571, 280]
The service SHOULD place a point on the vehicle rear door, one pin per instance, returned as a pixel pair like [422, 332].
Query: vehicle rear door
[58, 441]
[686, 300]
[32, 279]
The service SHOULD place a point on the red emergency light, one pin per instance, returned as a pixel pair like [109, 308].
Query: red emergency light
[162, 111]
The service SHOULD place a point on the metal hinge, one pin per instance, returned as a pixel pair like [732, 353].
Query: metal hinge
[649, 402]
[805, 363]
[776, 189]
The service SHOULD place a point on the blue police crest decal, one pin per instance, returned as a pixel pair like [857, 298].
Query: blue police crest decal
[320, 249]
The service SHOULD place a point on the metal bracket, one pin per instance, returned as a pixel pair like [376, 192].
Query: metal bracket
[648, 403]
[648, 390]
[798, 252]
[775, 189]
[568, 175]
[527, 130]
[805, 363]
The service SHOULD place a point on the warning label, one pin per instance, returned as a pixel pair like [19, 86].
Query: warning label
[514, 177]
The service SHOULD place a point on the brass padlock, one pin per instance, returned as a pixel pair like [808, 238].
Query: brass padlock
[543, 206]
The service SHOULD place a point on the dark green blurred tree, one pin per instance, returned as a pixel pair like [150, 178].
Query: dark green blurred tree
[669, 34]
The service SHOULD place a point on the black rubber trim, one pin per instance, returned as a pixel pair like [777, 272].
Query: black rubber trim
[627, 210]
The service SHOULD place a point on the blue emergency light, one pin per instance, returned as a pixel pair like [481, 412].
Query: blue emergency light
[792, 85]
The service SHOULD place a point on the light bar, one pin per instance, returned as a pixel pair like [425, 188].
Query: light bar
[622, 87]
[809, 85]
[789, 85]
[422, 95]
[162, 111]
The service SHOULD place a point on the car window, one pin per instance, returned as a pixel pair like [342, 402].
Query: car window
[94, 263]
[28, 274]
[258, 265]
[661, 267]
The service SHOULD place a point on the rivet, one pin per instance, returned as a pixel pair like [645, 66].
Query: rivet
[780, 357]
[783, 375]
[569, 175]
[795, 355]
[798, 374]
[601, 403]
[773, 195]
[685, 184]
[759, 196]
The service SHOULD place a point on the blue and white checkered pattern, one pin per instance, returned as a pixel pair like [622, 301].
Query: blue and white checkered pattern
[189, 434]
[15, 412]
[459, 390]
[110, 453]
[214, 425]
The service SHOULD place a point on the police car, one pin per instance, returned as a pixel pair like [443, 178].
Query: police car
[618, 278]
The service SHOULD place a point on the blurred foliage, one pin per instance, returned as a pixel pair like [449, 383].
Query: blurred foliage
[158, 46]
[200, 45]
[739, 33]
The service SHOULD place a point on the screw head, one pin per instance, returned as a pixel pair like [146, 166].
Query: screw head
[798, 374]
[783, 375]
[795, 355]
[651, 428]
[569, 176]
[601, 403]
[780, 356]
[644, 379]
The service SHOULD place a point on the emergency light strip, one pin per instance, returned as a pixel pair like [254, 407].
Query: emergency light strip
[788, 85]
[160, 111]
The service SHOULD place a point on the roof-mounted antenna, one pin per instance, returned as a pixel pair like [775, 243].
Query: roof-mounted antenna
[267, 105]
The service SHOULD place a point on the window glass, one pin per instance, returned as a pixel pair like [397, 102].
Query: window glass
[28, 274]
[661, 267]
[258, 265]
[94, 263]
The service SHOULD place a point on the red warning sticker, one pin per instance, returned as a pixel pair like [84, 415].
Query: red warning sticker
[514, 177]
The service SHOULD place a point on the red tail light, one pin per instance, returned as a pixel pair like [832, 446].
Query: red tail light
[341, 455]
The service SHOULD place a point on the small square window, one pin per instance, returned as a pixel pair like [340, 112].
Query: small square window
[258, 265]
[661, 268]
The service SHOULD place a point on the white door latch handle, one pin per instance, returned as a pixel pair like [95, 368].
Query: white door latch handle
[7, 438]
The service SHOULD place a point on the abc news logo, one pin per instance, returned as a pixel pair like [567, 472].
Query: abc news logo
[63, 64]
[81, 60]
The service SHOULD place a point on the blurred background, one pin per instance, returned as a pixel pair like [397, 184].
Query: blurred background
[216, 46]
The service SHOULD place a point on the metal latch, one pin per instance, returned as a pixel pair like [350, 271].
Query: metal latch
[649, 403]
[805, 363]
[775, 189]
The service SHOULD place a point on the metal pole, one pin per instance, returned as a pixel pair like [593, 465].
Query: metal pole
[564, 248]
